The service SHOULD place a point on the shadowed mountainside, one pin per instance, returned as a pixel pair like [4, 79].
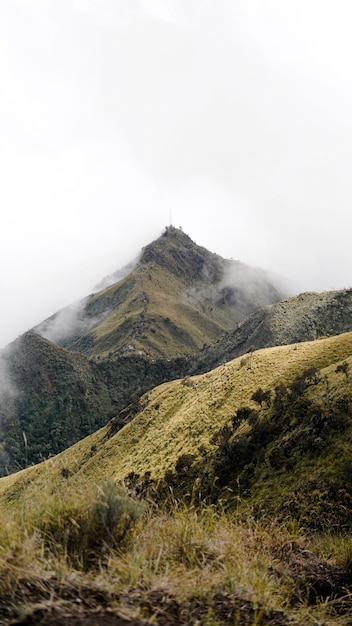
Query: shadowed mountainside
[54, 397]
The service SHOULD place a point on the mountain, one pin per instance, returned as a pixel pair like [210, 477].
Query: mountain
[178, 297]
[150, 326]
[170, 498]
[305, 317]
[78, 369]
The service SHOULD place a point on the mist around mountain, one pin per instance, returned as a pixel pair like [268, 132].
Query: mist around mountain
[168, 316]
[177, 298]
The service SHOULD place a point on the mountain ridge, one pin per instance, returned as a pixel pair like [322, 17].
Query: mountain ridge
[79, 368]
[162, 324]
[305, 317]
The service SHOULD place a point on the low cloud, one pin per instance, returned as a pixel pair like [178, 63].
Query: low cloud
[75, 319]
[67, 323]
[254, 283]
[8, 389]
[9, 392]
[117, 276]
[237, 281]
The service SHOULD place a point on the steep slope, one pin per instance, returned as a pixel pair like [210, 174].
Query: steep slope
[51, 397]
[44, 419]
[188, 426]
[179, 297]
[305, 317]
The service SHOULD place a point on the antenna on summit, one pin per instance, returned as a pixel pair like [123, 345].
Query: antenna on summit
[170, 218]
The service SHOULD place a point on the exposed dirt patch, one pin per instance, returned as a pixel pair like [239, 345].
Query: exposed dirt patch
[223, 608]
[313, 580]
[83, 606]
[43, 617]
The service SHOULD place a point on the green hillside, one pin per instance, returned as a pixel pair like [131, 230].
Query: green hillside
[55, 396]
[182, 417]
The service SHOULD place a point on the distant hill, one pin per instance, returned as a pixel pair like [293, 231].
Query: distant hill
[179, 297]
[55, 396]
[305, 317]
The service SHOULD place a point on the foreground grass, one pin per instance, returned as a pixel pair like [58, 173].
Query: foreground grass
[177, 565]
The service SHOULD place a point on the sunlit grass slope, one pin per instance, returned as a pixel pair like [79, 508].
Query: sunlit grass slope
[178, 418]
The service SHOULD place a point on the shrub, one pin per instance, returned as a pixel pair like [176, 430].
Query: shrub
[261, 396]
[343, 367]
[244, 413]
[84, 528]
[111, 516]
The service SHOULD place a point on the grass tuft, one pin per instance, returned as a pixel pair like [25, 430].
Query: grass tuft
[81, 528]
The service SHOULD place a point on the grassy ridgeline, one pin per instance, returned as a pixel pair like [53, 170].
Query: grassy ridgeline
[182, 417]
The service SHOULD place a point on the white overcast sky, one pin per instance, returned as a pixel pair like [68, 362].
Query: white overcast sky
[233, 115]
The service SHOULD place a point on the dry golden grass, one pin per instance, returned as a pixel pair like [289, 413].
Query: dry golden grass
[186, 553]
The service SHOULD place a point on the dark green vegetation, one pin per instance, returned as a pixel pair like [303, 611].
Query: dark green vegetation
[58, 397]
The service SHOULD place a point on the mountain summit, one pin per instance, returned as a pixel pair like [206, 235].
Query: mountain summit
[178, 297]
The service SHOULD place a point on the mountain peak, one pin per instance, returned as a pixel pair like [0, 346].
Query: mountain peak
[175, 251]
[179, 297]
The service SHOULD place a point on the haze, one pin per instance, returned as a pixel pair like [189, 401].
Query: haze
[232, 117]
